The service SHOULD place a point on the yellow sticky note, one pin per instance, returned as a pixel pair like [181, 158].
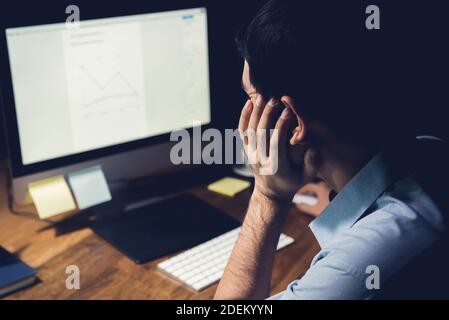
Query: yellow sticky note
[51, 196]
[229, 186]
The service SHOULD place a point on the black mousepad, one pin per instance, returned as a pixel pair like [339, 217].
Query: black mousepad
[164, 228]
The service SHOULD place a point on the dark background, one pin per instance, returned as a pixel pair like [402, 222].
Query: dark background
[425, 22]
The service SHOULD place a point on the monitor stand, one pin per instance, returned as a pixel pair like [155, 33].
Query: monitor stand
[163, 228]
[149, 230]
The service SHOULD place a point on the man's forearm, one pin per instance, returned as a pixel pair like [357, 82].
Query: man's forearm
[248, 273]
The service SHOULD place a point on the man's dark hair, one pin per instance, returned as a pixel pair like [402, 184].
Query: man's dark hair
[321, 53]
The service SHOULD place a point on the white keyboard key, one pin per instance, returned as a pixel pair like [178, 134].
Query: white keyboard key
[170, 268]
[198, 286]
[196, 278]
[204, 264]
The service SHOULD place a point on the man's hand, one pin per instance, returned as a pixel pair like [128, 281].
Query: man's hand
[248, 273]
[276, 176]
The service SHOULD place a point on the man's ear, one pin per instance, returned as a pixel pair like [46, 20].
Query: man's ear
[299, 126]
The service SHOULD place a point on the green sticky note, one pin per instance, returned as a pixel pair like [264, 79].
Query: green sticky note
[89, 187]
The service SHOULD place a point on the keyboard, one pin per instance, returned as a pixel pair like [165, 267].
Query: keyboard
[203, 265]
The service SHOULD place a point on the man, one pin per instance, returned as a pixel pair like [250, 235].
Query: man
[336, 120]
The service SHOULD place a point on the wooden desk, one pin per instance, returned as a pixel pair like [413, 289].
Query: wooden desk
[108, 274]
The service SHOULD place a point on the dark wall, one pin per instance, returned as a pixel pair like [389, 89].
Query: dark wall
[2, 135]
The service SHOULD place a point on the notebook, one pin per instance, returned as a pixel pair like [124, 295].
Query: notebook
[14, 274]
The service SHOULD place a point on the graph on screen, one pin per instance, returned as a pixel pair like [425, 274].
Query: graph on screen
[105, 84]
[126, 90]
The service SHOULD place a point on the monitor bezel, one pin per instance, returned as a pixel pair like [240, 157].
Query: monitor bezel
[17, 168]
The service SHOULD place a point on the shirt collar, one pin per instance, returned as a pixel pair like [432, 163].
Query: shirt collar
[353, 200]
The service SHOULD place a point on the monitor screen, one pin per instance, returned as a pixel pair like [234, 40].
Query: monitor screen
[108, 81]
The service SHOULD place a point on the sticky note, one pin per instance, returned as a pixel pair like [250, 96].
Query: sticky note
[89, 187]
[229, 186]
[51, 196]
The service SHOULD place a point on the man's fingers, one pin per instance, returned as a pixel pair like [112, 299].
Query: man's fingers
[252, 127]
[244, 120]
[257, 113]
[280, 135]
[267, 121]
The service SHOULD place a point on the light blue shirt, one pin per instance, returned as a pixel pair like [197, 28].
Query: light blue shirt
[374, 222]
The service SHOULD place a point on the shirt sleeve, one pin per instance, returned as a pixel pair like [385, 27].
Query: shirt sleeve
[329, 278]
[387, 239]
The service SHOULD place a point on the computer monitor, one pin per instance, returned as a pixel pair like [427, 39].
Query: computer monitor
[108, 91]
